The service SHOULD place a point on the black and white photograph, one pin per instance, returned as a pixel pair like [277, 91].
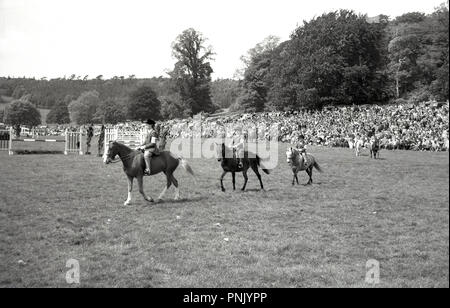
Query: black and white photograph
[224, 149]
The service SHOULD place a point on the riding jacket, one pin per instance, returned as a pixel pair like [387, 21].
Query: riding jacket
[150, 141]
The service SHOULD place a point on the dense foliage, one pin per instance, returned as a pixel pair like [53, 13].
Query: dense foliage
[22, 112]
[341, 58]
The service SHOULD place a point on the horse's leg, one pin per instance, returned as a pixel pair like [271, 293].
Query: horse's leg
[177, 190]
[221, 180]
[244, 173]
[293, 178]
[140, 180]
[255, 169]
[169, 182]
[130, 188]
[296, 178]
[234, 180]
[309, 171]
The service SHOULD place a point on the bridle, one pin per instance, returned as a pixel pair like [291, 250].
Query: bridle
[114, 161]
[291, 156]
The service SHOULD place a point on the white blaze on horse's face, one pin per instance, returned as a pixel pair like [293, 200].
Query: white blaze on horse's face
[106, 158]
[288, 156]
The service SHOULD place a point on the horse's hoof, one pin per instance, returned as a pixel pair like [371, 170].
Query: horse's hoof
[223, 189]
[126, 203]
[150, 200]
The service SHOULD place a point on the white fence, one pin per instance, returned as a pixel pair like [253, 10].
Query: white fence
[73, 141]
[130, 138]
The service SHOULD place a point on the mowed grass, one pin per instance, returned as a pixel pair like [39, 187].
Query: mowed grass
[395, 210]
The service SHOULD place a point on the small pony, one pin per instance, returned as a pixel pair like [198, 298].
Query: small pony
[229, 163]
[297, 163]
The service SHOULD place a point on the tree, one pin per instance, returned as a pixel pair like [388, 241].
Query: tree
[19, 91]
[333, 59]
[82, 110]
[110, 111]
[192, 71]
[143, 104]
[171, 108]
[404, 50]
[224, 92]
[268, 45]
[22, 113]
[59, 114]
[440, 86]
[256, 82]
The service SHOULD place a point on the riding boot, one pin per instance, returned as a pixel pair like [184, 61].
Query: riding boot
[239, 160]
[147, 165]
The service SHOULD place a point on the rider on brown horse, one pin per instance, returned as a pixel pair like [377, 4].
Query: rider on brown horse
[149, 145]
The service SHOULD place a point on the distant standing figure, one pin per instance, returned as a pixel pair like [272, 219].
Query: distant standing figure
[90, 134]
[164, 132]
[101, 141]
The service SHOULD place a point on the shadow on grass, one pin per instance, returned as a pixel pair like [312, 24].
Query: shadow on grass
[182, 200]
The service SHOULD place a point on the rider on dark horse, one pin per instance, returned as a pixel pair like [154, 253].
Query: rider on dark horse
[240, 147]
[150, 144]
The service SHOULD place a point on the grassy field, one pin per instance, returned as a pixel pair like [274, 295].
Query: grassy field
[395, 210]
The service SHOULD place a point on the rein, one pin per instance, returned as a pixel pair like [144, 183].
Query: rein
[122, 158]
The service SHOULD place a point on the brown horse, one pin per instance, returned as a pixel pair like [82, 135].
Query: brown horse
[297, 163]
[134, 166]
[225, 155]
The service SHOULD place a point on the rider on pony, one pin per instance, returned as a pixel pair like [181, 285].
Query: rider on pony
[301, 147]
[150, 144]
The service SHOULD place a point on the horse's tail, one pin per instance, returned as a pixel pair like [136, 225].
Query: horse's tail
[186, 166]
[316, 165]
[258, 161]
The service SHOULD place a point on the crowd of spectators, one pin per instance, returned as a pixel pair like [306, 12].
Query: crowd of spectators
[419, 127]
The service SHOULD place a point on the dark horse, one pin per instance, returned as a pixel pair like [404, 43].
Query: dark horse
[230, 164]
[374, 148]
[134, 165]
[297, 163]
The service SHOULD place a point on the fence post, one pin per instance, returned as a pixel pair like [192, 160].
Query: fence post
[81, 140]
[10, 151]
[66, 144]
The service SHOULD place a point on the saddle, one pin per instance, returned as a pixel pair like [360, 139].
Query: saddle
[155, 152]
[305, 160]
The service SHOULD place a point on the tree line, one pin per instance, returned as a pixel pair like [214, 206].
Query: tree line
[338, 58]
[341, 58]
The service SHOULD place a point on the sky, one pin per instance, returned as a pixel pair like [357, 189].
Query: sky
[57, 38]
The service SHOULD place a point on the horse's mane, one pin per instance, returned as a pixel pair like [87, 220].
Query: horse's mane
[296, 156]
[124, 147]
